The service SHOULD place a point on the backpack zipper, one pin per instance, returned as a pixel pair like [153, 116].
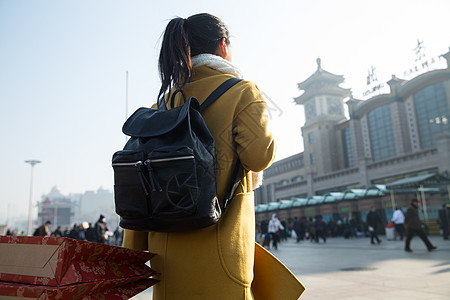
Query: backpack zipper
[170, 158]
[136, 164]
[139, 163]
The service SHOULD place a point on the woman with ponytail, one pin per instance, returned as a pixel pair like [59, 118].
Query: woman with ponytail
[215, 262]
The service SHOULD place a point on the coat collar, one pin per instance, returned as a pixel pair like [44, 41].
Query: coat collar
[202, 72]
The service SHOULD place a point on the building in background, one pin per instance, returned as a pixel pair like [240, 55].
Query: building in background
[57, 208]
[94, 203]
[389, 137]
[67, 210]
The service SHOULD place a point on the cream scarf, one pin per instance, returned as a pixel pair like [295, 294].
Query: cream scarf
[224, 66]
[217, 63]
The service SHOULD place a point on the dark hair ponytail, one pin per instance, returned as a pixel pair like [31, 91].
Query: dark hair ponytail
[183, 39]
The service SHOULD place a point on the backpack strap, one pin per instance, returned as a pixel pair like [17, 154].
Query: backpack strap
[219, 92]
[235, 180]
[225, 86]
[236, 176]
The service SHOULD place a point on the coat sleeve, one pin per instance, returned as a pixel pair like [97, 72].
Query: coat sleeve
[254, 142]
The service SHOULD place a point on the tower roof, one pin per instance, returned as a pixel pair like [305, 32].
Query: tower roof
[320, 76]
[55, 192]
[319, 82]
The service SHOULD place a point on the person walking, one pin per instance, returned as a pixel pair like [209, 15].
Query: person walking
[443, 220]
[82, 230]
[100, 230]
[299, 228]
[303, 222]
[398, 218]
[216, 262]
[312, 229]
[75, 232]
[414, 227]
[43, 230]
[91, 234]
[265, 236]
[319, 224]
[275, 227]
[66, 232]
[373, 219]
[264, 226]
[57, 232]
[353, 227]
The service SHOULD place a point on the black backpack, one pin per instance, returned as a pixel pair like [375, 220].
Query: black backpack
[165, 177]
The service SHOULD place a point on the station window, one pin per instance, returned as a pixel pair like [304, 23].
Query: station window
[432, 113]
[381, 132]
[311, 137]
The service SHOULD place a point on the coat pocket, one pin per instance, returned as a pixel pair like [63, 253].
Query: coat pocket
[131, 187]
[236, 236]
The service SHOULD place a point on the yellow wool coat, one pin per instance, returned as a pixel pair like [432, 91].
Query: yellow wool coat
[217, 262]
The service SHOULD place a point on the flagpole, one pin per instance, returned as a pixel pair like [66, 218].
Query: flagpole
[32, 163]
[126, 100]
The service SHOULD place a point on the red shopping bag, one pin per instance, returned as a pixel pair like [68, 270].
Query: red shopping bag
[61, 261]
[112, 289]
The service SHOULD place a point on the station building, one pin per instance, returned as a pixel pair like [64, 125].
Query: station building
[379, 155]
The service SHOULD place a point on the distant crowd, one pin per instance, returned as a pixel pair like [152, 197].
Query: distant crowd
[99, 233]
[312, 229]
[403, 224]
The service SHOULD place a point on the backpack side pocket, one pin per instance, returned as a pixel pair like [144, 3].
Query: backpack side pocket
[131, 187]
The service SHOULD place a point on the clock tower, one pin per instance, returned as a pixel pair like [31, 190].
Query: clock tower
[323, 101]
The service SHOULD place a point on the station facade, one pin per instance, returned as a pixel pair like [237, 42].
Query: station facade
[388, 138]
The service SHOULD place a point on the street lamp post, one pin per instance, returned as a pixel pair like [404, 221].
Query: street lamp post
[30, 203]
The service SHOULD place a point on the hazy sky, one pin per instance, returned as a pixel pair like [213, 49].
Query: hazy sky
[63, 66]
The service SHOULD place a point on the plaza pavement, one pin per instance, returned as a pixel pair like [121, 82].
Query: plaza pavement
[353, 269]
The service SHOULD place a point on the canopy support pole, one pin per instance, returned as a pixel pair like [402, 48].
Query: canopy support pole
[393, 200]
[424, 203]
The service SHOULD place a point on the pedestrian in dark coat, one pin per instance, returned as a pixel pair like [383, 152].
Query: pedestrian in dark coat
[298, 227]
[43, 230]
[319, 225]
[414, 227]
[57, 232]
[353, 227]
[100, 229]
[91, 235]
[312, 229]
[66, 232]
[373, 219]
[75, 232]
[264, 226]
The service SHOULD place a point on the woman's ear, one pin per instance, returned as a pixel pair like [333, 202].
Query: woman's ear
[222, 49]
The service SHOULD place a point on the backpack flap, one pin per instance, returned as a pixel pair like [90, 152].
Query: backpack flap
[149, 122]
